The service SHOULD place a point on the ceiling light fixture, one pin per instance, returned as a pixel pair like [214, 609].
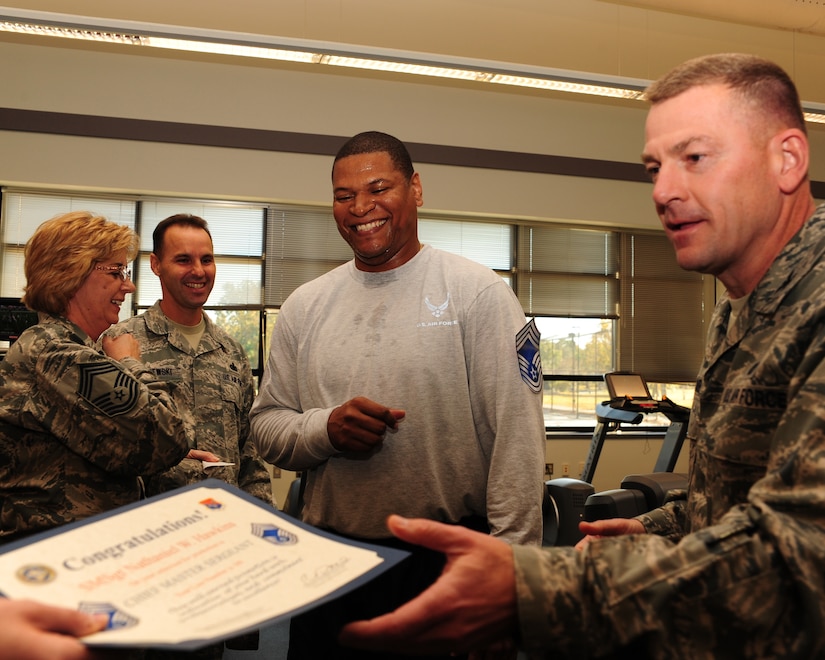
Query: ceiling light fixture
[238, 44]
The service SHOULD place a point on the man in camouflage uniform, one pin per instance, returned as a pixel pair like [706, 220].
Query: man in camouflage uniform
[736, 569]
[209, 370]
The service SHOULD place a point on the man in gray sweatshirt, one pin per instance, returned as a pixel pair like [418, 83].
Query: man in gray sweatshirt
[405, 380]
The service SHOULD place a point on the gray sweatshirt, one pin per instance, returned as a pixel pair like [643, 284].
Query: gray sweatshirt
[435, 337]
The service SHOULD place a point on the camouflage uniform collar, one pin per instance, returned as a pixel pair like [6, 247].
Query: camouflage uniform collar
[157, 322]
[796, 260]
[69, 327]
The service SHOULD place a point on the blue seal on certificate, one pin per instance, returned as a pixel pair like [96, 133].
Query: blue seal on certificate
[117, 618]
[274, 534]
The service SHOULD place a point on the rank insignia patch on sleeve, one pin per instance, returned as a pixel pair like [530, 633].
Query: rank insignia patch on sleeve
[529, 355]
[107, 388]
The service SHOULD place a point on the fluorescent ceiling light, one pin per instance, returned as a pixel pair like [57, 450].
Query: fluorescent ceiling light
[238, 44]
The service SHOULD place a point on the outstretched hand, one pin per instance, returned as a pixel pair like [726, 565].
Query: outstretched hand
[472, 605]
[34, 631]
[609, 527]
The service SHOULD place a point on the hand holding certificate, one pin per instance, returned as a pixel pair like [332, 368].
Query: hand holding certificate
[193, 566]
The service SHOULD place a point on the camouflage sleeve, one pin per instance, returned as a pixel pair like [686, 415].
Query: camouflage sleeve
[712, 595]
[114, 415]
[669, 520]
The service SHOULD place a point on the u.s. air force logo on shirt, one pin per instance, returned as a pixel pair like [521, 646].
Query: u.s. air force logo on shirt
[106, 387]
[529, 355]
[438, 310]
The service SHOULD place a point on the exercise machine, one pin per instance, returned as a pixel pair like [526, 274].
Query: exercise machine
[569, 501]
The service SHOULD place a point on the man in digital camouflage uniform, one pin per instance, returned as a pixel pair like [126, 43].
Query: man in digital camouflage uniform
[737, 569]
[209, 369]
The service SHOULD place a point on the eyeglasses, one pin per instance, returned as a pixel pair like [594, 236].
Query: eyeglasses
[121, 271]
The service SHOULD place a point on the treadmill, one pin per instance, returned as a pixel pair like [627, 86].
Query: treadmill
[568, 500]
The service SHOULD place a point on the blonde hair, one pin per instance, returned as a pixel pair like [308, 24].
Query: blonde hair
[63, 251]
[762, 84]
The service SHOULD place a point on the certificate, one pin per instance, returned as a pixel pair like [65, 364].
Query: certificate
[188, 568]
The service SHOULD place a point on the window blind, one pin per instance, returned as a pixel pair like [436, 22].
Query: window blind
[561, 271]
[302, 243]
[567, 272]
[23, 212]
[661, 328]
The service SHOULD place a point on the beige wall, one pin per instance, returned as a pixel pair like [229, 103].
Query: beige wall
[612, 38]
[619, 458]
[115, 83]
[133, 86]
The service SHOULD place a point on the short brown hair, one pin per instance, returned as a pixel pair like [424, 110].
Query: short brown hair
[177, 220]
[764, 85]
[63, 251]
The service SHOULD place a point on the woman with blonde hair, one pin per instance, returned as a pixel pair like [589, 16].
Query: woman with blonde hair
[79, 424]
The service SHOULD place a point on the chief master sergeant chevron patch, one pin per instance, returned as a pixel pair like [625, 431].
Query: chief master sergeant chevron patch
[529, 355]
[106, 387]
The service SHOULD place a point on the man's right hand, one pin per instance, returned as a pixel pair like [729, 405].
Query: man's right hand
[360, 424]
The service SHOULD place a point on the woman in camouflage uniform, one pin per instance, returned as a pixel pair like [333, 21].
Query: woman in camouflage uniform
[79, 424]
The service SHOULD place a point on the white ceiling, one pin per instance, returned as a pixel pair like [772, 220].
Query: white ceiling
[803, 15]
[630, 38]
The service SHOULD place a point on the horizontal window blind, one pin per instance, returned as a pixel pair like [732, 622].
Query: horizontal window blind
[488, 243]
[661, 329]
[567, 272]
[23, 212]
[560, 271]
[302, 243]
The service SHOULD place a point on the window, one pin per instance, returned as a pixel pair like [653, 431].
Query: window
[488, 243]
[24, 212]
[609, 300]
[237, 235]
[661, 327]
[301, 244]
[603, 299]
[568, 272]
